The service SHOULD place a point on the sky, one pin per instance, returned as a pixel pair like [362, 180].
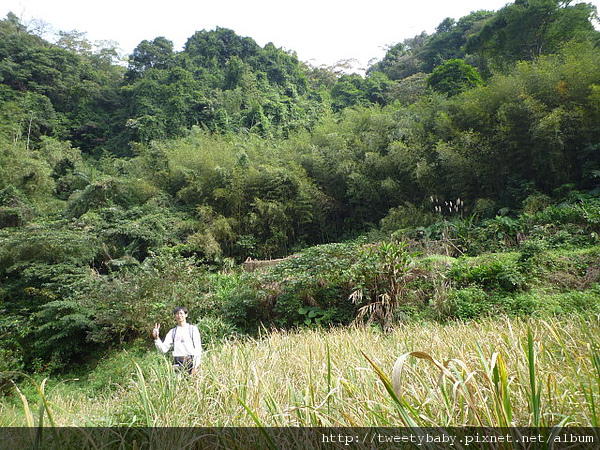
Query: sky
[321, 32]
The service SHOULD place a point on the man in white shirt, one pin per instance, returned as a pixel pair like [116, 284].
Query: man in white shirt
[185, 340]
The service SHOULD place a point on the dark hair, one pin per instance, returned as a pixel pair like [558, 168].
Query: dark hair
[180, 308]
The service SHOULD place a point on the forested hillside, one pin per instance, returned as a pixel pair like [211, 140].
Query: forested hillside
[128, 188]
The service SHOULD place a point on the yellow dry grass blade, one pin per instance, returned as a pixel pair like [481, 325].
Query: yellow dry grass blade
[399, 367]
[463, 380]
[402, 407]
[28, 415]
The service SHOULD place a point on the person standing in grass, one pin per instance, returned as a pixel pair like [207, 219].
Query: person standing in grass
[185, 340]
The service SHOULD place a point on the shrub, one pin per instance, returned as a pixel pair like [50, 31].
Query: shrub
[318, 277]
[244, 309]
[60, 334]
[15, 210]
[110, 192]
[213, 330]
[470, 302]
[531, 251]
[50, 243]
[581, 211]
[115, 369]
[381, 277]
[535, 203]
[11, 351]
[127, 303]
[499, 272]
[474, 302]
[560, 303]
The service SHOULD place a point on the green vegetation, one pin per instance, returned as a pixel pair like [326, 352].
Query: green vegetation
[457, 179]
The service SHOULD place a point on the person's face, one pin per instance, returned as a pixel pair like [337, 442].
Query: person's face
[180, 317]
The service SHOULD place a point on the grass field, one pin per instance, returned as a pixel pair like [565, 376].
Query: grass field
[494, 372]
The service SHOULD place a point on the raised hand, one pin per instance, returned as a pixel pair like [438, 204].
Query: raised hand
[156, 330]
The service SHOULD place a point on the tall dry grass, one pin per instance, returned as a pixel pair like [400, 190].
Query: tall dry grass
[494, 372]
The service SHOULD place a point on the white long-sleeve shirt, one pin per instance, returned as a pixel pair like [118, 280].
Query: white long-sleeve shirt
[185, 341]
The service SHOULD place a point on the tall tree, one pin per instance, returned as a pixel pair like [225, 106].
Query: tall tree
[453, 77]
[449, 39]
[527, 29]
[157, 54]
[403, 59]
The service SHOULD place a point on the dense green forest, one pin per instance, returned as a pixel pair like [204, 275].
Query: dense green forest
[454, 178]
